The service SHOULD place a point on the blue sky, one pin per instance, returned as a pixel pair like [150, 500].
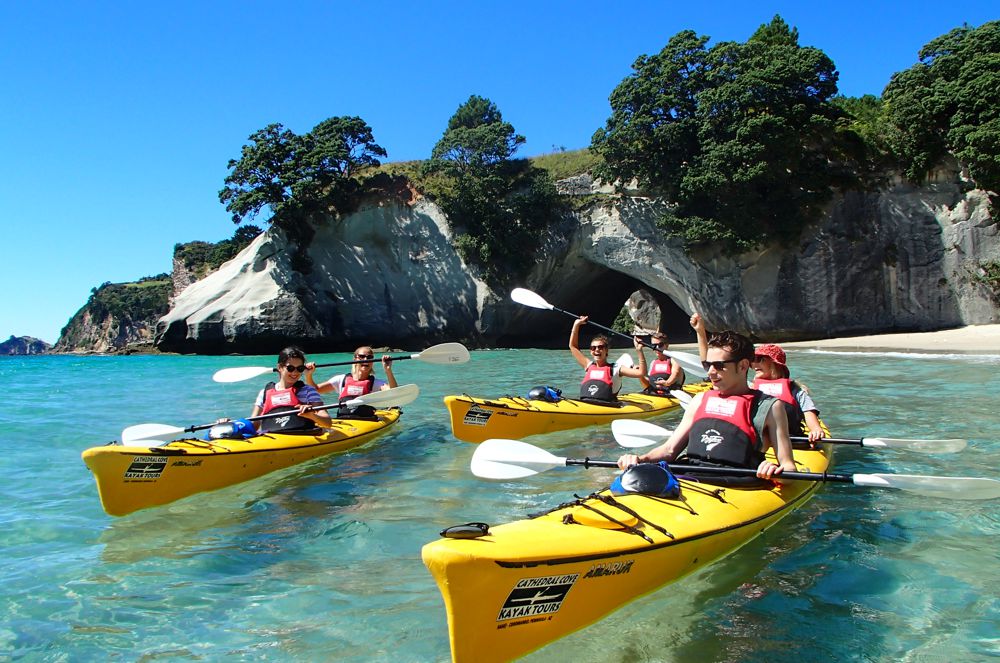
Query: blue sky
[118, 118]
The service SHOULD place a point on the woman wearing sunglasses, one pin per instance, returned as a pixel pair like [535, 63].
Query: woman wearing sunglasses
[361, 380]
[601, 380]
[290, 394]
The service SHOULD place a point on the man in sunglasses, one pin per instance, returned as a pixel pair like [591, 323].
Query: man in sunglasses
[361, 380]
[731, 424]
[664, 372]
[290, 394]
[601, 380]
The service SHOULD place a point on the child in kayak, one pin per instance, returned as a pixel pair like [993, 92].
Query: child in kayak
[601, 381]
[772, 377]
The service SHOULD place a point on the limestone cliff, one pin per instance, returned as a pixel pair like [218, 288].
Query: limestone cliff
[901, 258]
[386, 274]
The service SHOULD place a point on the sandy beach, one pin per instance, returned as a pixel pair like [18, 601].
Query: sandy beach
[974, 338]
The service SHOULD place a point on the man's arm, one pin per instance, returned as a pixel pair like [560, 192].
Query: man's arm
[776, 431]
[670, 449]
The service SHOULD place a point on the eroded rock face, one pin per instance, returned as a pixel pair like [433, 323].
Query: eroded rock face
[905, 258]
[23, 345]
[385, 275]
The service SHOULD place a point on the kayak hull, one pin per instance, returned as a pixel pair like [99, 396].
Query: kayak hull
[130, 478]
[533, 581]
[512, 417]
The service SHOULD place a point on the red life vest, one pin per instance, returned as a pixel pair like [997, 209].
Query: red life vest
[598, 383]
[351, 388]
[283, 400]
[725, 431]
[659, 368]
[782, 389]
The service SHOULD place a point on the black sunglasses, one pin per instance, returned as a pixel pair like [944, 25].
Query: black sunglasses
[295, 369]
[364, 356]
[718, 365]
[598, 347]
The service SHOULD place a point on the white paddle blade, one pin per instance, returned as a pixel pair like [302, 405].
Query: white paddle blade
[689, 363]
[445, 353]
[528, 298]
[396, 397]
[924, 446]
[511, 459]
[956, 488]
[682, 397]
[633, 433]
[625, 361]
[150, 432]
[239, 373]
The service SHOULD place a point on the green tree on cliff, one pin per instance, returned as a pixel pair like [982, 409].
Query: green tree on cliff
[950, 102]
[499, 206]
[295, 175]
[739, 136]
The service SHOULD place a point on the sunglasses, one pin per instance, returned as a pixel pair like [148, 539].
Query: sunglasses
[294, 369]
[364, 356]
[718, 365]
[596, 348]
[660, 345]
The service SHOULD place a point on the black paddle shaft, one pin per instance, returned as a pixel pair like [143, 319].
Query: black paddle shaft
[261, 417]
[607, 329]
[727, 471]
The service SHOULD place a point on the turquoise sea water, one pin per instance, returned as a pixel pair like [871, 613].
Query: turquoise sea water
[322, 561]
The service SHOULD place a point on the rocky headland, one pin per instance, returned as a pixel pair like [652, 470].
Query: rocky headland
[900, 258]
[23, 345]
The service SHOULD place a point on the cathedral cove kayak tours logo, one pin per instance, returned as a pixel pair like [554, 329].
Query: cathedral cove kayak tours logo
[145, 467]
[536, 597]
[477, 416]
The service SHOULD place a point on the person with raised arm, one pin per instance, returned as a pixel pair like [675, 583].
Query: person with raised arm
[731, 424]
[601, 380]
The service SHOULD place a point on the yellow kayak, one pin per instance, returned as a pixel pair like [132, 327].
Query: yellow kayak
[527, 583]
[512, 417]
[130, 478]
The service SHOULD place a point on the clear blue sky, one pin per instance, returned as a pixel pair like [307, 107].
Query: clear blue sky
[118, 118]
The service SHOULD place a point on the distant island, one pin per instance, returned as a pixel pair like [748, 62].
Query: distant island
[23, 345]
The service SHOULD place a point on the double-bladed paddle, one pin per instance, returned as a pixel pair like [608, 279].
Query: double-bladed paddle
[529, 298]
[633, 433]
[445, 353]
[396, 397]
[513, 459]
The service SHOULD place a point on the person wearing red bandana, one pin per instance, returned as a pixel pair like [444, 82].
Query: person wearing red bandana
[601, 380]
[771, 376]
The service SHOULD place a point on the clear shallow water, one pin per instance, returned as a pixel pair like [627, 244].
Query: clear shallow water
[322, 561]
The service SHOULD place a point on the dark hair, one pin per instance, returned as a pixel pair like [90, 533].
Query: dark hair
[738, 345]
[291, 352]
[601, 337]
